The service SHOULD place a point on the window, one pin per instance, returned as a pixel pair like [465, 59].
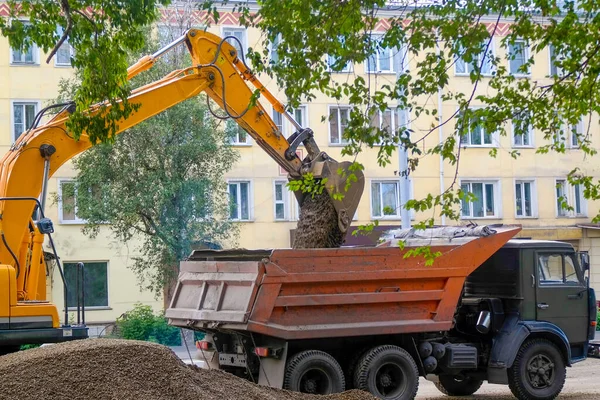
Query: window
[522, 137]
[67, 203]
[338, 122]
[273, 47]
[555, 57]
[239, 34]
[301, 116]
[462, 67]
[65, 51]
[236, 134]
[570, 196]
[524, 192]
[239, 200]
[23, 116]
[557, 269]
[389, 121]
[518, 55]
[385, 59]
[385, 199]
[571, 131]
[95, 284]
[281, 200]
[476, 135]
[331, 60]
[484, 204]
[21, 56]
[278, 120]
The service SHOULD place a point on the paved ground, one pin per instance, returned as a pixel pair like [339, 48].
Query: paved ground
[583, 382]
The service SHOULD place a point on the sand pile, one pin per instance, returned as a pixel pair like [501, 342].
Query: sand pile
[318, 224]
[123, 369]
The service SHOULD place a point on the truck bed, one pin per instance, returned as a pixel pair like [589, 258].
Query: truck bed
[318, 293]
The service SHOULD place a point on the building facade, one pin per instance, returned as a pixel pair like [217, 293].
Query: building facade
[521, 191]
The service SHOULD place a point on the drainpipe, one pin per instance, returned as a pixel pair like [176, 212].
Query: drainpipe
[403, 171]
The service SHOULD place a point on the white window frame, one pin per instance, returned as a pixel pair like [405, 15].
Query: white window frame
[348, 68]
[92, 308]
[551, 66]
[273, 50]
[65, 43]
[77, 220]
[235, 141]
[239, 29]
[286, 126]
[570, 192]
[342, 140]
[396, 54]
[35, 51]
[285, 192]
[250, 199]
[37, 103]
[497, 198]
[490, 54]
[395, 112]
[534, 208]
[568, 138]
[526, 50]
[530, 135]
[494, 136]
[397, 216]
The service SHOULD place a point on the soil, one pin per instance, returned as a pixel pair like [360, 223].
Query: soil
[126, 369]
[318, 224]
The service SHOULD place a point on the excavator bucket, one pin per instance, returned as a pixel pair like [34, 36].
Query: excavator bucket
[344, 185]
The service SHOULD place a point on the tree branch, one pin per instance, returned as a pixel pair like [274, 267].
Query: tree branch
[64, 4]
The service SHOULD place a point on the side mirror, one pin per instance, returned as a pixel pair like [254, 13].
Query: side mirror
[584, 260]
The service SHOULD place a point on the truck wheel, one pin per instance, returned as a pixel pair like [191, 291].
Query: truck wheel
[387, 372]
[538, 372]
[315, 372]
[453, 386]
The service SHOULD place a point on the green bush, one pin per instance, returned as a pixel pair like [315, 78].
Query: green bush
[29, 346]
[598, 321]
[142, 324]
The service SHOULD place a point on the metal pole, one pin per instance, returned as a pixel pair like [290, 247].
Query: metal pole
[44, 189]
[403, 166]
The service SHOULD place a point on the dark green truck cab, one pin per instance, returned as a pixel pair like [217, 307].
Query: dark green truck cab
[536, 300]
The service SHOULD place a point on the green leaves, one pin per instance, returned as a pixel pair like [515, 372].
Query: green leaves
[102, 34]
[308, 184]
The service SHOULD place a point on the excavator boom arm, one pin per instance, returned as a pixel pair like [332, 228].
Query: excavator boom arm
[216, 71]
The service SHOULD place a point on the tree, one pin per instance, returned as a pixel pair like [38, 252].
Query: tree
[315, 37]
[102, 34]
[160, 181]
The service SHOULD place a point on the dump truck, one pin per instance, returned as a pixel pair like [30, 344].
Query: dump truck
[490, 308]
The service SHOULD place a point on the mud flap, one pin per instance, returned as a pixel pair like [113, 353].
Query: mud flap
[272, 370]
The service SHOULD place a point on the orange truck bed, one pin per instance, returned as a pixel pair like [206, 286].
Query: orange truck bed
[319, 293]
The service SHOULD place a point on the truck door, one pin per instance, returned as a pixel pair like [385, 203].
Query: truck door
[561, 295]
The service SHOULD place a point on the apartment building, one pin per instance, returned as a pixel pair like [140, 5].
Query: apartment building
[514, 191]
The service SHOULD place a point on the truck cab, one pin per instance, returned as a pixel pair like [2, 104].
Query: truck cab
[530, 290]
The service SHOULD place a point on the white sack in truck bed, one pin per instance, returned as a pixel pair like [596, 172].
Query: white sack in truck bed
[443, 233]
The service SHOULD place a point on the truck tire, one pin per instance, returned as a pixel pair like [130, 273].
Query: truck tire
[387, 372]
[315, 372]
[4, 350]
[452, 386]
[538, 372]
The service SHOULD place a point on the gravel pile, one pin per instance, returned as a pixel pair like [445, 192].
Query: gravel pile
[318, 224]
[123, 369]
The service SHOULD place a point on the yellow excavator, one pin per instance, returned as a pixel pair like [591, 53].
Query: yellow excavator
[26, 316]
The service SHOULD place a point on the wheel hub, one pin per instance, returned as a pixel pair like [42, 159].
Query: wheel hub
[385, 380]
[540, 371]
[310, 386]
